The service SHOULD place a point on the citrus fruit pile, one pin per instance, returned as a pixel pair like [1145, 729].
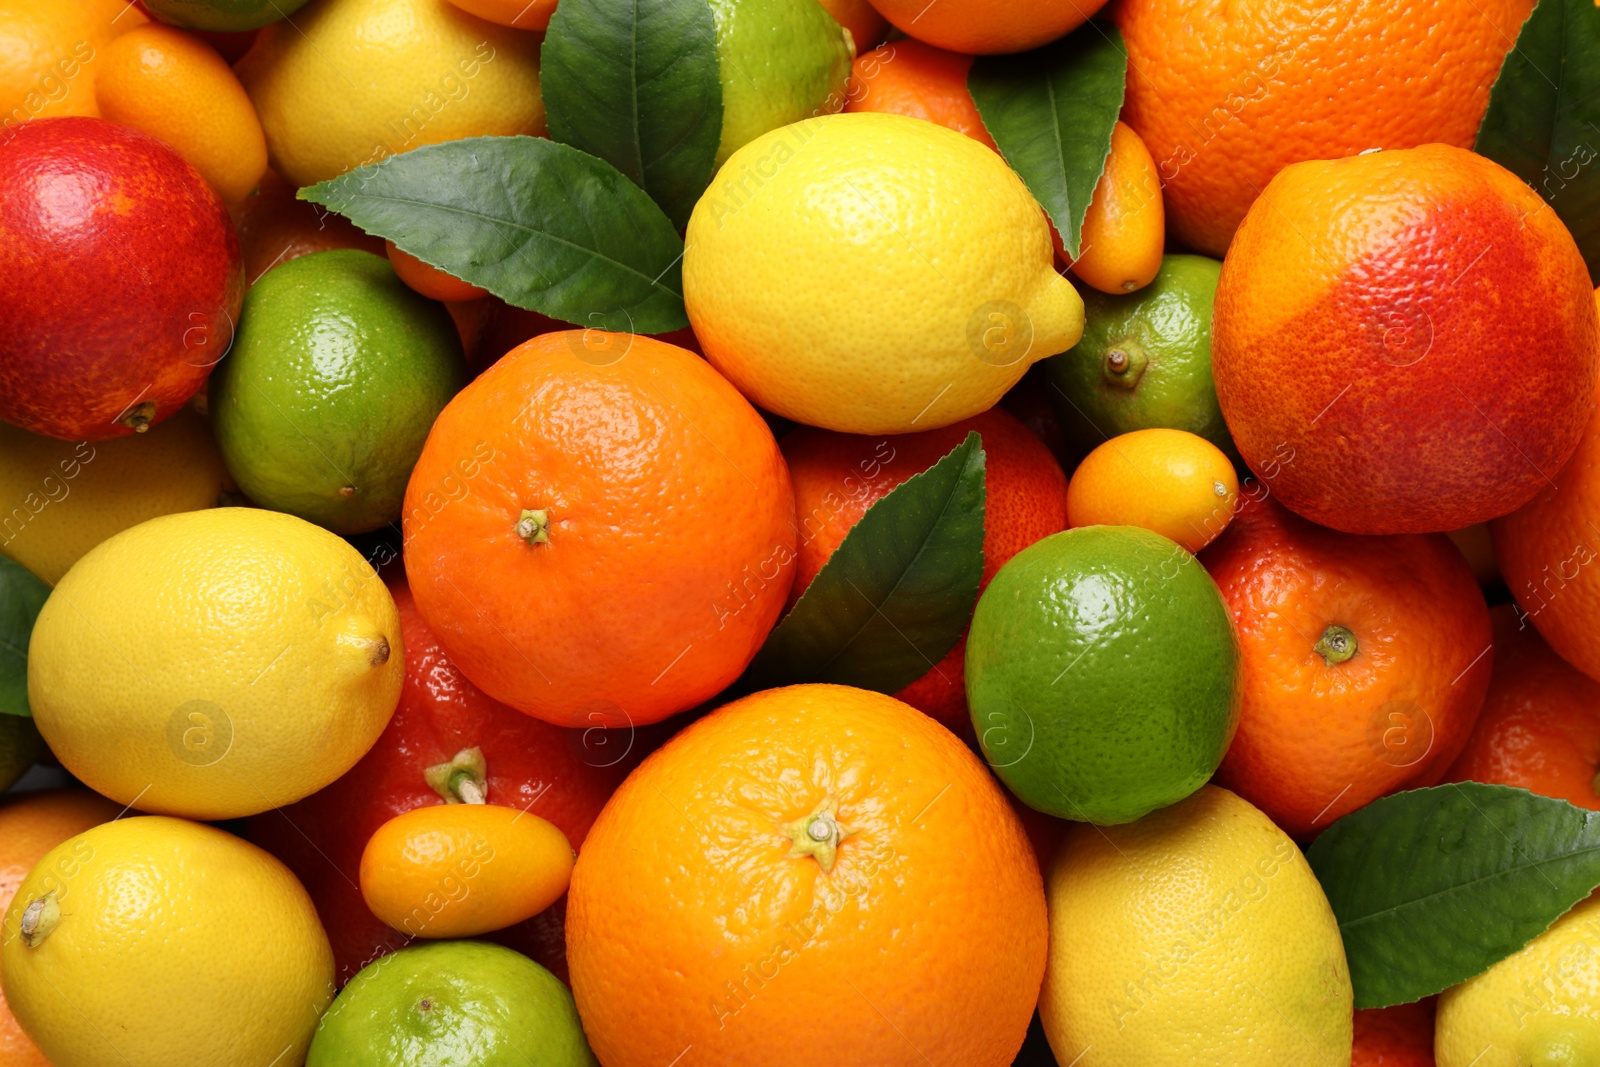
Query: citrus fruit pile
[748, 533]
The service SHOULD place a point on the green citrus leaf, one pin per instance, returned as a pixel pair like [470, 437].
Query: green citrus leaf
[1543, 121]
[1434, 886]
[21, 597]
[1051, 111]
[897, 594]
[539, 224]
[652, 107]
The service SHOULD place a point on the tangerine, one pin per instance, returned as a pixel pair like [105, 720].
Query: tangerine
[1365, 662]
[600, 529]
[1540, 726]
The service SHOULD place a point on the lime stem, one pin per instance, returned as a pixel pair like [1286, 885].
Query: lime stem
[1336, 645]
[1125, 364]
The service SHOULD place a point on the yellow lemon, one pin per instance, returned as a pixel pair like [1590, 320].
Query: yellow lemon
[1197, 935]
[215, 664]
[873, 273]
[58, 499]
[150, 942]
[1537, 1008]
[348, 82]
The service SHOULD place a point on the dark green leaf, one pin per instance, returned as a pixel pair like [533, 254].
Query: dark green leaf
[1433, 886]
[21, 597]
[897, 594]
[539, 224]
[1051, 112]
[1543, 122]
[653, 107]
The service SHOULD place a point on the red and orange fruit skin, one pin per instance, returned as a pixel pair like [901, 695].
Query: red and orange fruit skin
[1415, 329]
[120, 279]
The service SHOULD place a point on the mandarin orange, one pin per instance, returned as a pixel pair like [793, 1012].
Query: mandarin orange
[1540, 727]
[907, 77]
[1364, 663]
[600, 530]
[1549, 554]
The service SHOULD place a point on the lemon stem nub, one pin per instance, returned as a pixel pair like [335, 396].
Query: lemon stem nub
[1336, 645]
[463, 780]
[380, 651]
[38, 919]
[534, 526]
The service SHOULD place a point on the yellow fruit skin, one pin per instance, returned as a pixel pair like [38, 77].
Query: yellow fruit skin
[49, 53]
[1173, 482]
[873, 273]
[1125, 230]
[176, 87]
[177, 944]
[459, 870]
[1537, 1008]
[348, 82]
[58, 499]
[1197, 936]
[214, 664]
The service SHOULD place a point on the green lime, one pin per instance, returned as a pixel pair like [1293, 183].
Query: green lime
[20, 745]
[452, 1004]
[1144, 360]
[226, 15]
[781, 61]
[1102, 674]
[337, 372]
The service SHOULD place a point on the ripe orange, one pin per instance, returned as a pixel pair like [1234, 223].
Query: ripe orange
[1365, 662]
[1401, 1036]
[1362, 321]
[985, 27]
[1170, 481]
[275, 227]
[918, 80]
[1549, 555]
[810, 874]
[52, 50]
[600, 530]
[1125, 229]
[1227, 93]
[1540, 727]
[866, 26]
[31, 825]
[838, 476]
[176, 87]
[523, 14]
[428, 280]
